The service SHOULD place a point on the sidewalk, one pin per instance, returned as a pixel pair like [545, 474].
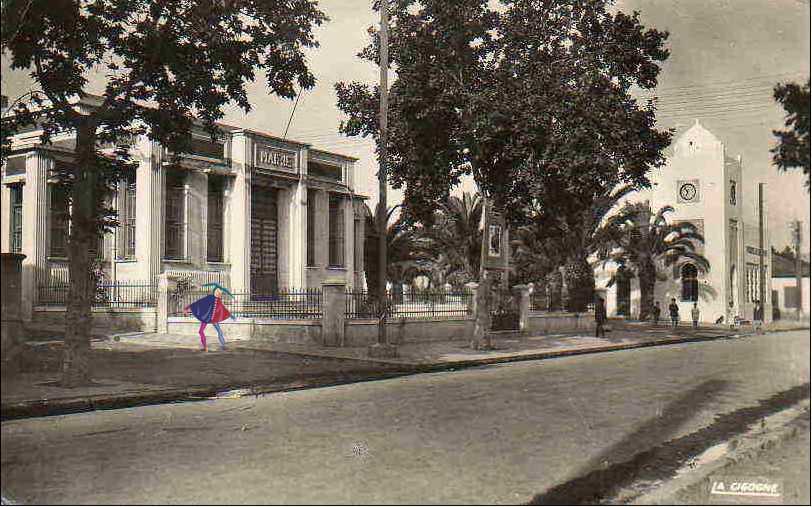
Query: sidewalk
[148, 368]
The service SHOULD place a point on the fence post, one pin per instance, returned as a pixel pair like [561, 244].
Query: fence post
[522, 294]
[162, 309]
[334, 303]
[472, 287]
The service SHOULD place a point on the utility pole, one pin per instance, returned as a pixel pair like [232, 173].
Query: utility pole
[382, 348]
[761, 270]
[796, 237]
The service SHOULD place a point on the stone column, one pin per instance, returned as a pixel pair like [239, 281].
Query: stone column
[11, 325]
[333, 307]
[522, 293]
[239, 217]
[149, 210]
[349, 239]
[297, 235]
[471, 288]
[35, 229]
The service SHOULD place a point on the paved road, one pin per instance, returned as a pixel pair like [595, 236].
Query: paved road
[782, 462]
[497, 434]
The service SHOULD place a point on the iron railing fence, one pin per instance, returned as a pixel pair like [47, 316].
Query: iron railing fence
[111, 295]
[287, 304]
[410, 305]
[539, 302]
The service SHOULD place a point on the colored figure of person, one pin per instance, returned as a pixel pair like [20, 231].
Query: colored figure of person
[673, 311]
[211, 310]
[695, 315]
[655, 312]
[600, 317]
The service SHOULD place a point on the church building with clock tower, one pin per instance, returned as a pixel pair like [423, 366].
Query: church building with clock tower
[704, 185]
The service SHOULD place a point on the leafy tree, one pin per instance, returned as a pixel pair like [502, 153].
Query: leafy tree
[532, 99]
[645, 243]
[182, 60]
[792, 150]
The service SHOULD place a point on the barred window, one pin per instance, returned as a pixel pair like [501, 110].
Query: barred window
[175, 217]
[336, 218]
[59, 221]
[312, 195]
[215, 219]
[16, 218]
[128, 221]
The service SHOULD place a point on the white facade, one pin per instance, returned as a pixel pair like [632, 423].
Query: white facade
[704, 186]
[256, 212]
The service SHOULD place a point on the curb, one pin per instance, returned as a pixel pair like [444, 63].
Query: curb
[774, 430]
[61, 406]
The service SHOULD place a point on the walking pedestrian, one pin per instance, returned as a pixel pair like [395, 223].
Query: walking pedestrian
[730, 317]
[211, 310]
[600, 317]
[758, 317]
[673, 311]
[695, 315]
[655, 312]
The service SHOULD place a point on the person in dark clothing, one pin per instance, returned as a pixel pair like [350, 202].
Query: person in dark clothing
[600, 317]
[655, 312]
[758, 317]
[673, 311]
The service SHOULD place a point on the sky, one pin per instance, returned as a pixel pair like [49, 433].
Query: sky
[726, 56]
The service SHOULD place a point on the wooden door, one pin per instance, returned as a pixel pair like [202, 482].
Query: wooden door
[264, 270]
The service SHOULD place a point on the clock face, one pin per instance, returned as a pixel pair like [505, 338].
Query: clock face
[687, 191]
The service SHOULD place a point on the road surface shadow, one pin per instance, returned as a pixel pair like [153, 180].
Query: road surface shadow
[599, 483]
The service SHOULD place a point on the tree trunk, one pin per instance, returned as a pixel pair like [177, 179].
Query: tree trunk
[580, 284]
[482, 324]
[647, 277]
[75, 358]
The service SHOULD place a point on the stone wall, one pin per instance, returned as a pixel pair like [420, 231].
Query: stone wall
[104, 319]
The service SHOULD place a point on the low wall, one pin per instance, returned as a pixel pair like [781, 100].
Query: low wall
[104, 319]
[364, 332]
[557, 322]
[241, 329]
[288, 331]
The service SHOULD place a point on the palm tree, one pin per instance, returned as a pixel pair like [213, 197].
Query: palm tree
[405, 255]
[578, 236]
[646, 243]
[453, 241]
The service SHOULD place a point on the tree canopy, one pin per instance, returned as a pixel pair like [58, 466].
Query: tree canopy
[792, 150]
[533, 99]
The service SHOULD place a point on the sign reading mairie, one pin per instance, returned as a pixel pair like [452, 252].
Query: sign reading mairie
[269, 157]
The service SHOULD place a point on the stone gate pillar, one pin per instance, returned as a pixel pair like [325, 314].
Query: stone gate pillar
[11, 324]
[522, 295]
[334, 304]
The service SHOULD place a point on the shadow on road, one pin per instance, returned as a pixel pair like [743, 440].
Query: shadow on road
[599, 483]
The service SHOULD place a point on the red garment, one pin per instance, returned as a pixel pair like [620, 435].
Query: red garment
[220, 313]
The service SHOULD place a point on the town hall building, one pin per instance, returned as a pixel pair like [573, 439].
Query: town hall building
[253, 211]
